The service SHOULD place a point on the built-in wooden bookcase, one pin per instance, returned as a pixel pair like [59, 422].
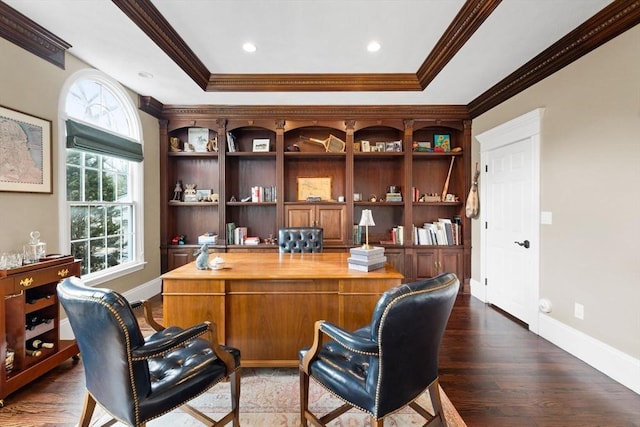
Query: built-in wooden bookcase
[295, 151]
[250, 179]
[192, 218]
[375, 172]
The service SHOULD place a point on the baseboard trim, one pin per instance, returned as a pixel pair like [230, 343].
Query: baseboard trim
[617, 365]
[144, 291]
[478, 290]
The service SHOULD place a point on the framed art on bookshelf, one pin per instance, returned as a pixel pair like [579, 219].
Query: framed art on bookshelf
[442, 143]
[261, 145]
[198, 139]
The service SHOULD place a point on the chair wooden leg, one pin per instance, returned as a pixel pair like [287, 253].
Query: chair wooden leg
[304, 398]
[436, 402]
[377, 423]
[87, 410]
[235, 396]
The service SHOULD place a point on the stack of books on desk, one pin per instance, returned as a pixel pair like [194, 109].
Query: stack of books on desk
[362, 259]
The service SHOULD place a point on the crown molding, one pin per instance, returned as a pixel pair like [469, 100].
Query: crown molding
[306, 112]
[30, 36]
[312, 82]
[610, 22]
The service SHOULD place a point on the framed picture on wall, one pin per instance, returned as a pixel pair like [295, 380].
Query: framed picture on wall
[25, 144]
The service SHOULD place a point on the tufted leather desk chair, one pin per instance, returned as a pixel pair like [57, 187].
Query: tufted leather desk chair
[387, 364]
[300, 239]
[136, 379]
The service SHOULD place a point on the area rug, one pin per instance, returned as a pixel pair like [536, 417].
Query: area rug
[271, 398]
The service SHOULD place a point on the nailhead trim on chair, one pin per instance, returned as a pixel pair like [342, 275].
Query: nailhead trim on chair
[384, 315]
[131, 359]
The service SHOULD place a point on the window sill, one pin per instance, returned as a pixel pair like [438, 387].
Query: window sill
[113, 273]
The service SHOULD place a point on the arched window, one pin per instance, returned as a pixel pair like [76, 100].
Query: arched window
[101, 188]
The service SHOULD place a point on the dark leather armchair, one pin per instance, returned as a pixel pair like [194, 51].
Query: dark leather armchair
[300, 239]
[387, 364]
[136, 379]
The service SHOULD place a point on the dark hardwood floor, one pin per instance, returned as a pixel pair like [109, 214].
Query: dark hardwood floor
[495, 372]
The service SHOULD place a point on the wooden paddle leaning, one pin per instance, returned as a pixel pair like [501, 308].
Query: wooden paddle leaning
[446, 183]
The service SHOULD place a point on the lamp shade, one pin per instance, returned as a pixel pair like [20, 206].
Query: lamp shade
[367, 218]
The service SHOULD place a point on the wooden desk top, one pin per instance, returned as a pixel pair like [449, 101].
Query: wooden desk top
[270, 265]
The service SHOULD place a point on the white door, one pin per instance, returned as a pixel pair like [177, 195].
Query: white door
[509, 216]
[508, 228]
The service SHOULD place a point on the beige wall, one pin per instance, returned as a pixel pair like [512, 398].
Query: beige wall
[32, 85]
[590, 181]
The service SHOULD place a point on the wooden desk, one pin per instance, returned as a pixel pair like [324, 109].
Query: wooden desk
[265, 304]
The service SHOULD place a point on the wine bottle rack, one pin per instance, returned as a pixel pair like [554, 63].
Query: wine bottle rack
[26, 293]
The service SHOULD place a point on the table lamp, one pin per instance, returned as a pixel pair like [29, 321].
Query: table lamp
[366, 220]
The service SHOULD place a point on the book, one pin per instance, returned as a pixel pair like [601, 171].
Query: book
[366, 268]
[253, 240]
[448, 229]
[371, 261]
[231, 143]
[231, 226]
[256, 194]
[238, 235]
[375, 251]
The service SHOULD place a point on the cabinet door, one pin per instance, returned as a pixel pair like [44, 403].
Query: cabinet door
[451, 262]
[300, 216]
[395, 257]
[332, 220]
[431, 262]
[426, 262]
[330, 217]
[179, 257]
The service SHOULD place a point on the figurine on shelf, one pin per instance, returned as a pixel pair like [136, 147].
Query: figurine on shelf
[174, 144]
[177, 192]
[178, 240]
[213, 145]
[190, 193]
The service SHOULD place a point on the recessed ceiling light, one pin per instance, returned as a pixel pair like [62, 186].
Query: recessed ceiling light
[249, 47]
[145, 75]
[373, 46]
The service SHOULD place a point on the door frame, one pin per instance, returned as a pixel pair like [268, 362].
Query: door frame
[526, 127]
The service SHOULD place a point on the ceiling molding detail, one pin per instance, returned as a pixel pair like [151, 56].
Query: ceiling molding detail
[30, 36]
[312, 82]
[310, 112]
[610, 22]
[145, 15]
[466, 22]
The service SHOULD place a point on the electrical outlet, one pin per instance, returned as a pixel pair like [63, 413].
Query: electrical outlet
[578, 311]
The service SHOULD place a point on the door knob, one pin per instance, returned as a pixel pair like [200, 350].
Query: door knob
[525, 244]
